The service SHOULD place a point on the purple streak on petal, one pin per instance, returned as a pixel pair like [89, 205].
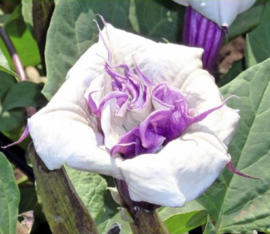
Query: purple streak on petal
[120, 97]
[23, 136]
[203, 25]
[143, 78]
[203, 115]
[235, 171]
[166, 96]
[91, 103]
[102, 19]
[212, 46]
[203, 33]
[126, 83]
[190, 27]
[130, 145]
[154, 129]
[104, 42]
[161, 126]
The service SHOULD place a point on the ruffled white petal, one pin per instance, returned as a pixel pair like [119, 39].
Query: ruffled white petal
[180, 172]
[204, 95]
[65, 132]
[222, 12]
[159, 62]
[112, 124]
[181, 66]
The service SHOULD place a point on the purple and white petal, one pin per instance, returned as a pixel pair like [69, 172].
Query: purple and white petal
[222, 12]
[112, 124]
[180, 172]
[204, 95]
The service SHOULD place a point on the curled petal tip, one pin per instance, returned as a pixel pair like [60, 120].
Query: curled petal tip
[235, 171]
[23, 136]
[102, 19]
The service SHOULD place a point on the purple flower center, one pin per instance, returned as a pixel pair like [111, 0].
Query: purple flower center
[132, 90]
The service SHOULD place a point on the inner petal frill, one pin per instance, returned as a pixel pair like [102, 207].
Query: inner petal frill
[136, 116]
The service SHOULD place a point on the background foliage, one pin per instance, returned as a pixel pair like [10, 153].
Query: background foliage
[232, 205]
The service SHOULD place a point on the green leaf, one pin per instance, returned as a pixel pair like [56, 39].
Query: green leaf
[72, 32]
[258, 41]
[9, 198]
[9, 72]
[10, 120]
[185, 215]
[4, 66]
[6, 82]
[238, 204]
[160, 19]
[182, 223]
[24, 94]
[27, 13]
[3, 61]
[246, 21]
[209, 227]
[22, 40]
[166, 212]
[90, 188]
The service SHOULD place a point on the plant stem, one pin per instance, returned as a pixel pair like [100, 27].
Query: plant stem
[148, 223]
[64, 210]
[13, 53]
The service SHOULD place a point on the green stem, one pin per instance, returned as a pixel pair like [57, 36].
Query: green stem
[148, 223]
[63, 208]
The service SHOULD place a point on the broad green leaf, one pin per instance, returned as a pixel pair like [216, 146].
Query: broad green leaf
[238, 204]
[42, 13]
[10, 72]
[22, 40]
[27, 13]
[6, 81]
[166, 212]
[246, 21]
[3, 61]
[209, 227]
[72, 31]
[10, 120]
[182, 223]
[160, 19]
[90, 188]
[24, 94]
[258, 41]
[177, 219]
[9, 198]
[3, 18]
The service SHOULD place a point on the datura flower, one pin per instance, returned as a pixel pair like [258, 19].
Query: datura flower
[206, 23]
[140, 111]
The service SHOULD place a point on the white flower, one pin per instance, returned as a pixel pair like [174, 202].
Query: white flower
[68, 131]
[222, 12]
